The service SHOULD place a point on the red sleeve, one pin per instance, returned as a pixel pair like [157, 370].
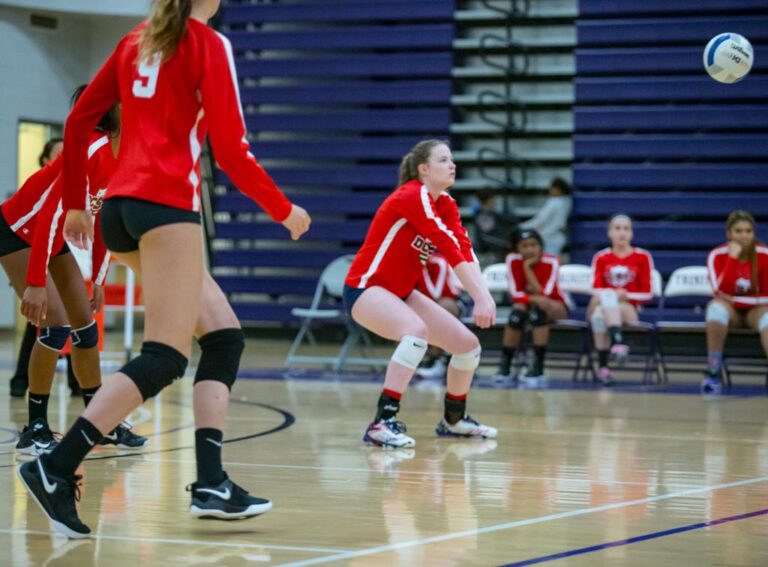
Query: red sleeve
[452, 218]
[515, 288]
[723, 270]
[221, 103]
[100, 257]
[644, 291]
[417, 208]
[102, 92]
[598, 281]
[48, 237]
[762, 272]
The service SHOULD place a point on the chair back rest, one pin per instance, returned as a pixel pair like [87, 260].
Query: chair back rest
[575, 278]
[495, 277]
[689, 280]
[657, 284]
[334, 274]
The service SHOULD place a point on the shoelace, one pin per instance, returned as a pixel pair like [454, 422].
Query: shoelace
[73, 482]
[469, 418]
[396, 426]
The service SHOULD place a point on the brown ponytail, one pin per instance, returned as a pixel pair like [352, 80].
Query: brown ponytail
[409, 167]
[749, 253]
[165, 27]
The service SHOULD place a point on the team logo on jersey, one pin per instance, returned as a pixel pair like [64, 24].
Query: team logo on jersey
[620, 276]
[424, 247]
[96, 201]
[743, 286]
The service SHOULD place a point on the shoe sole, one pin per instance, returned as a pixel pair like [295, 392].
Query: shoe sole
[372, 441]
[124, 447]
[463, 436]
[32, 451]
[250, 512]
[58, 526]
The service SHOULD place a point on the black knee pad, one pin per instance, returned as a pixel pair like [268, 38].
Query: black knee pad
[54, 338]
[517, 319]
[220, 356]
[155, 368]
[87, 337]
[538, 317]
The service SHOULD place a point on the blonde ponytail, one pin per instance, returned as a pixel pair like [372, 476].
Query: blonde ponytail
[165, 27]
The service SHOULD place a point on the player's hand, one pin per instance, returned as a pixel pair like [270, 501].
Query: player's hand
[622, 293]
[97, 301]
[34, 304]
[529, 262]
[78, 228]
[734, 249]
[484, 312]
[297, 222]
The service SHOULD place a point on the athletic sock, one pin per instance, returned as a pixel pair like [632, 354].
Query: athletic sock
[602, 358]
[208, 443]
[540, 352]
[616, 336]
[38, 406]
[73, 448]
[507, 356]
[389, 405]
[455, 407]
[714, 362]
[88, 394]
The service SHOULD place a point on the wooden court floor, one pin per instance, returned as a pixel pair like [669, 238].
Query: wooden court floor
[582, 477]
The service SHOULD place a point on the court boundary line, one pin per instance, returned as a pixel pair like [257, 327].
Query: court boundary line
[207, 543]
[636, 539]
[522, 523]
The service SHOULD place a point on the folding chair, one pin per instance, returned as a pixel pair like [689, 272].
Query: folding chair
[575, 279]
[330, 288]
[495, 277]
[648, 328]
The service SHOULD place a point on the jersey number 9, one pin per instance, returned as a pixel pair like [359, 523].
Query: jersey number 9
[149, 69]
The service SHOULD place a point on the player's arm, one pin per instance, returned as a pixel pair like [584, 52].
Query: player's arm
[644, 290]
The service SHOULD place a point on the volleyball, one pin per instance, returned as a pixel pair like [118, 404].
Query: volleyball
[728, 57]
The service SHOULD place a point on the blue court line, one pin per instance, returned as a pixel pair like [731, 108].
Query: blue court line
[645, 537]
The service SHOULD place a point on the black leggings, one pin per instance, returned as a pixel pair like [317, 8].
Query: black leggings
[125, 220]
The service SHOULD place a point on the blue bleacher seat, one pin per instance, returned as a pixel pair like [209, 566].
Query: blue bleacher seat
[660, 234]
[687, 118]
[264, 311]
[323, 11]
[347, 231]
[329, 202]
[661, 31]
[272, 285]
[592, 8]
[428, 36]
[279, 258]
[665, 147]
[405, 120]
[400, 65]
[369, 176]
[368, 92]
[613, 90]
[655, 204]
[648, 61]
[391, 148]
[702, 176]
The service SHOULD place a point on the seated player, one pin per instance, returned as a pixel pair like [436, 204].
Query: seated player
[622, 276]
[536, 300]
[738, 272]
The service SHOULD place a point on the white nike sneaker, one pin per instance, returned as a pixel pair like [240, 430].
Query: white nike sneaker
[466, 427]
[388, 433]
[225, 501]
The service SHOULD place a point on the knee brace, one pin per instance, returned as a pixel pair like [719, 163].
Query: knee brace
[609, 299]
[468, 360]
[598, 321]
[86, 337]
[538, 317]
[517, 319]
[410, 351]
[155, 368]
[717, 313]
[220, 356]
[762, 325]
[54, 338]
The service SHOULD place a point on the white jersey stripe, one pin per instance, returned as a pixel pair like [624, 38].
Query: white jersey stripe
[431, 215]
[52, 233]
[35, 209]
[101, 275]
[386, 243]
[195, 149]
[97, 145]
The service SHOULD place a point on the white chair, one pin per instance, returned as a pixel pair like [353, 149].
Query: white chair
[495, 277]
[330, 286]
[575, 278]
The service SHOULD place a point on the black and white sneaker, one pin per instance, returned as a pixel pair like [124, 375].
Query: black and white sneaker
[56, 496]
[225, 501]
[36, 439]
[123, 438]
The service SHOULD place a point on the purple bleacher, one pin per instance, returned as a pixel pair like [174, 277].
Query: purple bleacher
[673, 204]
[667, 118]
[624, 8]
[668, 147]
[656, 235]
[656, 176]
[657, 90]
[360, 82]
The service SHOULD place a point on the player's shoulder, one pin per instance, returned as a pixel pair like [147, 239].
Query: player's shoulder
[761, 248]
[550, 258]
[513, 257]
[643, 252]
[600, 254]
[719, 250]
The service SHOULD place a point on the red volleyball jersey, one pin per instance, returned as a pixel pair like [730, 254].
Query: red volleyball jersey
[168, 108]
[21, 209]
[402, 236]
[632, 273]
[546, 272]
[438, 280]
[733, 278]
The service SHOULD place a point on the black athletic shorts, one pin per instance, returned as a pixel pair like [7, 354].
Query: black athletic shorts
[350, 295]
[125, 220]
[11, 242]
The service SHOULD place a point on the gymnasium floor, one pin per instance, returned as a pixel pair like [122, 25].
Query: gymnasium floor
[630, 476]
